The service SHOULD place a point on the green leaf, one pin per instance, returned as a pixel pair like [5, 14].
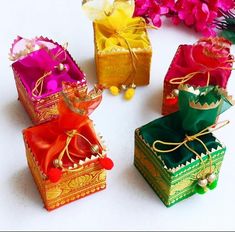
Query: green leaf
[230, 35]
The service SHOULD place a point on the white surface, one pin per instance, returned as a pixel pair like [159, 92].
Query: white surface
[128, 202]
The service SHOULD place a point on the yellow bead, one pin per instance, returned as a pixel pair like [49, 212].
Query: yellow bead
[129, 94]
[114, 90]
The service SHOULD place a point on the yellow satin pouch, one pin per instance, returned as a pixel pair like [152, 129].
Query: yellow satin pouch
[118, 28]
[122, 48]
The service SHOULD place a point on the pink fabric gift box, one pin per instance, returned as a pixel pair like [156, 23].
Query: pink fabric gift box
[40, 68]
[207, 62]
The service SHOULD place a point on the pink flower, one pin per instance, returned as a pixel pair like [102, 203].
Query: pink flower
[141, 7]
[198, 14]
[152, 10]
[224, 5]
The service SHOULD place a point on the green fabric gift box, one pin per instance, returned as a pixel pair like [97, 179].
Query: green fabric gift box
[177, 154]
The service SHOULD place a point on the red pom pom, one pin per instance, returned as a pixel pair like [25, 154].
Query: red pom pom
[171, 101]
[54, 174]
[106, 163]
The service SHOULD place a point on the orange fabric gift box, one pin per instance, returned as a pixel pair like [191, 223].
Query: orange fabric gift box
[66, 157]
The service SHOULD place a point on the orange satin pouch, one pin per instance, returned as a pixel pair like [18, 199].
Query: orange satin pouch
[66, 157]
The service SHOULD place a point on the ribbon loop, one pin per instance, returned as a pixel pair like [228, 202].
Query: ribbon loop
[191, 138]
[38, 87]
[184, 79]
[47, 60]
[70, 135]
[209, 56]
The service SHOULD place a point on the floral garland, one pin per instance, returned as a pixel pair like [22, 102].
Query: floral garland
[198, 14]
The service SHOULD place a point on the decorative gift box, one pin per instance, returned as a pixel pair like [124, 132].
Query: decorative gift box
[122, 48]
[40, 67]
[208, 62]
[67, 159]
[177, 154]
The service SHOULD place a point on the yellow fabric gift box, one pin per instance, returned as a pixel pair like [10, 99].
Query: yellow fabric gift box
[122, 48]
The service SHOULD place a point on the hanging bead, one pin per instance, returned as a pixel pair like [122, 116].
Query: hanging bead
[175, 92]
[123, 87]
[202, 182]
[201, 186]
[54, 174]
[200, 190]
[61, 67]
[171, 100]
[213, 185]
[133, 86]
[211, 177]
[129, 94]
[57, 163]
[114, 90]
[106, 163]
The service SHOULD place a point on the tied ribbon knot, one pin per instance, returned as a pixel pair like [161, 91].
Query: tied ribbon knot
[117, 28]
[215, 50]
[190, 138]
[70, 135]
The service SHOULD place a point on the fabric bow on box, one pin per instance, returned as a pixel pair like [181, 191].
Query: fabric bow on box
[207, 62]
[40, 67]
[63, 145]
[177, 154]
[117, 31]
[187, 134]
[43, 65]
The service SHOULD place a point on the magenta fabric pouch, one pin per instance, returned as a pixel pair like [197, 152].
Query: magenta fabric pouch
[41, 66]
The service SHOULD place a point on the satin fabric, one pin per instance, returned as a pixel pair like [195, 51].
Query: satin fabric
[187, 121]
[36, 63]
[118, 29]
[47, 140]
[205, 56]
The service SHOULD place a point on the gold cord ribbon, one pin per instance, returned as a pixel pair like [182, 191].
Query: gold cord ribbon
[221, 45]
[39, 84]
[184, 79]
[40, 81]
[190, 138]
[70, 136]
[134, 57]
[117, 27]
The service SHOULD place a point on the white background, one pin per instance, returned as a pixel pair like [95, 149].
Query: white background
[128, 202]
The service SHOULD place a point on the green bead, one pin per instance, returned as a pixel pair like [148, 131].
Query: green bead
[213, 185]
[200, 190]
